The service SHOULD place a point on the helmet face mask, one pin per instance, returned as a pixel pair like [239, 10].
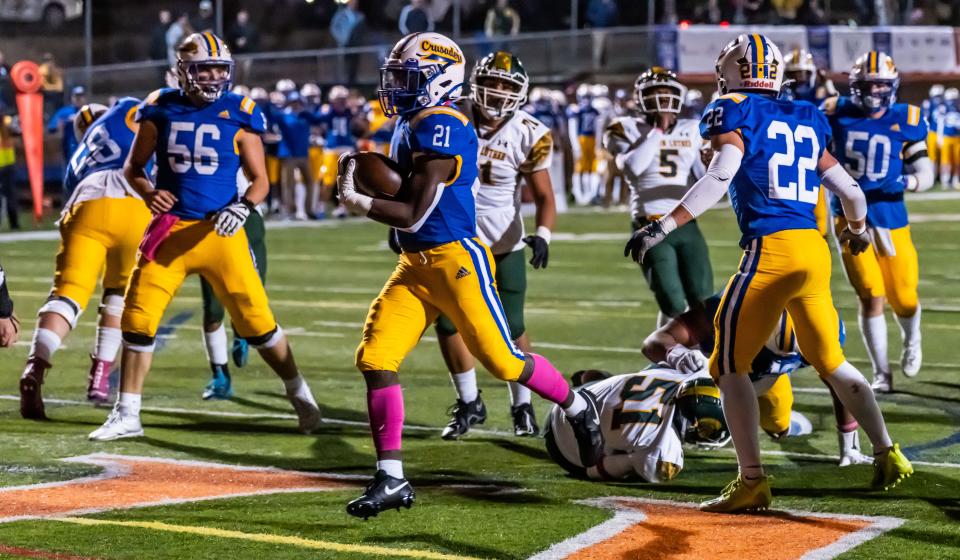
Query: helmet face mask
[658, 91]
[499, 85]
[422, 70]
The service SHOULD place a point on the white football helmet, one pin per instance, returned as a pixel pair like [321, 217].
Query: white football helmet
[338, 93]
[285, 86]
[241, 90]
[951, 95]
[936, 90]
[873, 81]
[750, 63]
[258, 94]
[310, 93]
[201, 50]
[422, 70]
[658, 91]
[85, 117]
[800, 67]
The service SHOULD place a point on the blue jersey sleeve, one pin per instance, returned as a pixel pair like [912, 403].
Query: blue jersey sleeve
[442, 130]
[912, 124]
[250, 115]
[729, 112]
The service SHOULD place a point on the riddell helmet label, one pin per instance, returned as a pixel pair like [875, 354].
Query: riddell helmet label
[449, 53]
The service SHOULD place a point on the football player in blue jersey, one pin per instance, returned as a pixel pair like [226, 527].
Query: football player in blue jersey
[584, 119]
[772, 156]
[443, 266]
[100, 227]
[338, 119]
[202, 136]
[948, 132]
[883, 145]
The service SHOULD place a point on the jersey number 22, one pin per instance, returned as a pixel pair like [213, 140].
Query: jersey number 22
[789, 166]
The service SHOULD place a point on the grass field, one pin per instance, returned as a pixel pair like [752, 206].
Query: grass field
[490, 495]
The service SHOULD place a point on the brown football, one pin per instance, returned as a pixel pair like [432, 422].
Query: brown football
[376, 175]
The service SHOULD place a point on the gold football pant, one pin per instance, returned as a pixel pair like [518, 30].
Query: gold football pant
[784, 270]
[895, 278]
[456, 279]
[224, 262]
[98, 236]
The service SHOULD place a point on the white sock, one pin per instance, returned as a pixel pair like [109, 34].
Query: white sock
[910, 328]
[295, 384]
[742, 414]
[393, 467]
[855, 394]
[300, 197]
[874, 331]
[519, 394]
[849, 441]
[108, 343]
[465, 385]
[216, 344]
[578, 405]
[45, 343]
[130, 403]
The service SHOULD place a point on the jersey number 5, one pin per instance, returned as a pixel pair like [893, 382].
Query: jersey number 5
[204, 159]
[797, 168]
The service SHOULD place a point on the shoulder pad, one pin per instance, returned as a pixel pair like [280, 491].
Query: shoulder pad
[433, 115]
[154, 97]
[735, 97]
[829, 105]
[726, 113]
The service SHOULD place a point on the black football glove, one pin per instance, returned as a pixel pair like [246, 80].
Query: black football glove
[394, 241]
[541, 250]
[858, 242]
[229, 220]
[643, 240]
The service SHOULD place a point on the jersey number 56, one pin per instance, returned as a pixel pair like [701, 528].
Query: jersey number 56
[183, 157]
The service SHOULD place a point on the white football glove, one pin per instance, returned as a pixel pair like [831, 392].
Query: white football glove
[229, 220]
[356, 202]
[686, 360]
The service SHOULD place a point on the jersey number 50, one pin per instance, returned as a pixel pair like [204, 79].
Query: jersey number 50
[796, 167]
[204, 159]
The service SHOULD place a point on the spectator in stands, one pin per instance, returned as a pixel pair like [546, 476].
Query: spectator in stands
[347, 27]
[204, 20]
[8, 192]
[158, 37]
[502, 20]
[243, 36]
[415, 18]
[6, 84]
[177, 32]
[601, 14]
[51, 78]
[62, 122]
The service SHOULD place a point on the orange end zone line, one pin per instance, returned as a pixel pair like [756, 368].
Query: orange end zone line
[269, 538]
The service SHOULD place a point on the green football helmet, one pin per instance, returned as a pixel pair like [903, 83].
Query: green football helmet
[701, 415]
[499, 84]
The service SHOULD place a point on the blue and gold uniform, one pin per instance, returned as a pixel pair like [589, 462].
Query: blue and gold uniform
[444, 267]
[103, 221]
[871, 150]
[586, 118]
[198, 158]
[338, 139]
[786, 262]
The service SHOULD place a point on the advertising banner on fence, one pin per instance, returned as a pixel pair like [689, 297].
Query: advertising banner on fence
[915, 49]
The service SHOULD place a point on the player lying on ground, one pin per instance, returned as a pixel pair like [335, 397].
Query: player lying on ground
[100, 227]
[202, 135]
[646, 418]
[885, 150]
[444, 268]
[214, 334]
[685, 340]
[658, 153]
[771, 154]
[514, 148]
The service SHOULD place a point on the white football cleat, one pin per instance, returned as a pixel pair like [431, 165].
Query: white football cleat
[118, 426]
[882, 382]
[910, 359]
[799, 424]
[307, 410]
[850, 450]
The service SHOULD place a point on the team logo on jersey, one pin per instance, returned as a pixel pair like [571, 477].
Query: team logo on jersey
[462, 273]
[224, 114]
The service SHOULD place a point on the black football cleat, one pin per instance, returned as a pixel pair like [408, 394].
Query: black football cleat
[464, 416]
[524, 420]
[31, 396]
[384, 492]
[587, 431]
